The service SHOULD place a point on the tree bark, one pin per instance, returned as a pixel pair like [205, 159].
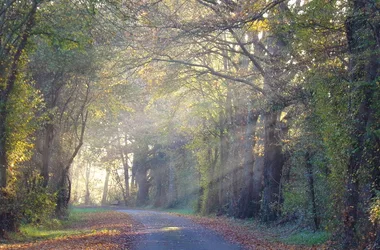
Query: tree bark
[212, 197]
[273, 163]
[171, 184]
[105, 187]
[141, 170]
[143, 187]
[48, 137]
[124, 159]
[87, 199]
[223, 171]
[310, 181]
[248, 203]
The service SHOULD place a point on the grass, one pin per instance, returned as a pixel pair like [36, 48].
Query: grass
[81, 210]
[178, 210]
[54, 228]
[185, 211]
[287, 234]
[31, 233]
[307, 238]
[76, 213]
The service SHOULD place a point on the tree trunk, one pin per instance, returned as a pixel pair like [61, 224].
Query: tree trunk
[124, 159]
[247, 201]
[63, 194]
[126, 181]
[258, 170]
[171, 184]
[310, 181]
[158, 179]
[212, 197]
[223, 173]
[143, 187]
[273, 163]
[87, 199]
[105, 187]
[48, 137]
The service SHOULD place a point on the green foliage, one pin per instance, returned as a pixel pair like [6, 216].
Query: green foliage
[27, 204]
[330, 100]
[24, 104]
[375, 209]
[39, 206]
[307, 238]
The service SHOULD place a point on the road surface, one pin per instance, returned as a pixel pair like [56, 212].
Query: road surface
[163, 231]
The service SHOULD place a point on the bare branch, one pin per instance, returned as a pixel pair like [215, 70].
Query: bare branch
[211, 71]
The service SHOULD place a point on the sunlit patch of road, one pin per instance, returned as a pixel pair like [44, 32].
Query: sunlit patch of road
[163, 231]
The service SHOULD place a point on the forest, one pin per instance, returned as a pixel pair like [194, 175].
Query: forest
[265, 110]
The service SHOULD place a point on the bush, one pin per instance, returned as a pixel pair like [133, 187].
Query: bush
[38, 206]
[375, 209]
[25, 204]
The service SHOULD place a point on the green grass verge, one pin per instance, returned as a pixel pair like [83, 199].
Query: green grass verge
[33, 233]
[307, 238]
[81, 210]
[54, 228]
[185, 211]
[75, 213]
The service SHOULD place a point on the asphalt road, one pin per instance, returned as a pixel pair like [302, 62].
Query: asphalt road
[163, 231]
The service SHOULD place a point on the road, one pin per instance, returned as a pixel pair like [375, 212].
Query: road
[163, 231]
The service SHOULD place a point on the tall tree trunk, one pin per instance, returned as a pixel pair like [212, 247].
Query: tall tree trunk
[64, 185]
[363, 36]
[141, 176]
[48, 137]
[212, 197]
[141, 170]
[105, 187]
[133, 179]
[258, 170]
[273, 163]
[124, 160]
[171, 184]
[247, 202]
[159, 185]
[126, 180]
[310, 181]
[63, 193]
[143, 187]
[87, 199]
[223, 171]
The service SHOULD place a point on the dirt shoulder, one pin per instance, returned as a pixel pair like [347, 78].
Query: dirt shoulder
[91, 230]
[250, 238]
